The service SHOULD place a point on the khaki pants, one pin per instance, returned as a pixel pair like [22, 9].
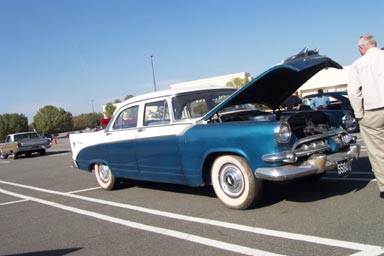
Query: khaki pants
[372, 132]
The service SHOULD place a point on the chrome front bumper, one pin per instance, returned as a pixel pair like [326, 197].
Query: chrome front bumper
[317, 163]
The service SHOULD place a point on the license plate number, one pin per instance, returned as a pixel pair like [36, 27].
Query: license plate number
[343, 167]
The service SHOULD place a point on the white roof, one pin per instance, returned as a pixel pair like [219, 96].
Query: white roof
[169, 92]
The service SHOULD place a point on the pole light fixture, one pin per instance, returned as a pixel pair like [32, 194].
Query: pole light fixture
[153, 73]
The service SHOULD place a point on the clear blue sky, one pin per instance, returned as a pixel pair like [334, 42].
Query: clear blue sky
[72, 53]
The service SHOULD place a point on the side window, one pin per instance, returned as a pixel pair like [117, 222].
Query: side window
[195, 108]
[156, 113]
[127, 118]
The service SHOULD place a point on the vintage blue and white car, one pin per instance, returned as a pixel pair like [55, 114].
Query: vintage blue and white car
[230, 139]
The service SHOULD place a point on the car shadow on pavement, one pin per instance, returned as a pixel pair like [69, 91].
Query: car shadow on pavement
[57, 152]
[48, 153]
[304, 190]
[175, 188]
[301, 190]
[58, 252]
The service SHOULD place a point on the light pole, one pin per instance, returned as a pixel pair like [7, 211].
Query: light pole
[93, 110]
[153, 73]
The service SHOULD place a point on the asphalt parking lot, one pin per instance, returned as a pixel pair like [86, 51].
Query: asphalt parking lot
[49, 208]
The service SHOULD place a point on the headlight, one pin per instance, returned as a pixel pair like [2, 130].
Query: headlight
[283, 133]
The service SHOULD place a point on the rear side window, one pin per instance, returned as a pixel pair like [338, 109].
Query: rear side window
[156, 113]
[127, 118]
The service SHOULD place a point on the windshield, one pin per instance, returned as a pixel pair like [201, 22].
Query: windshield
[197, 104]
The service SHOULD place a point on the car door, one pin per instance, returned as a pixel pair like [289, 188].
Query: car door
[157, 144]
[120, 142]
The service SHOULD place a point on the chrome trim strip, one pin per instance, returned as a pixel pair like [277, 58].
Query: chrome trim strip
[282, 156]
[310, 151]
[286, 156]
[315, 137]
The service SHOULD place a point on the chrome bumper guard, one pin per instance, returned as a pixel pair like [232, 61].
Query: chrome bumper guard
[317, 163]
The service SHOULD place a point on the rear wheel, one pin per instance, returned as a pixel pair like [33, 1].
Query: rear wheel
[105, 177]
[234, 183]
[42, 152]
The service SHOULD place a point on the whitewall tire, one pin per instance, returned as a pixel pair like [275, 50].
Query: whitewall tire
[234, 182]
[105, 177]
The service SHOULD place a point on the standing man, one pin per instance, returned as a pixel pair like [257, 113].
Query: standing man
[293, 102]
[320, 101]
[366, 94]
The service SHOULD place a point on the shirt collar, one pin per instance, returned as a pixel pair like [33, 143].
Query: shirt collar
[373, 49]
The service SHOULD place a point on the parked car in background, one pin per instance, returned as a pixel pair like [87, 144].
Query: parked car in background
[47, 136]
[231, 139]
[24, 143]
[339, 101]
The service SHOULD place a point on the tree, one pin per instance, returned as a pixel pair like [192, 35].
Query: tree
[12, 123]
[238, 82]
[109, 109]
[128, 97]
[50, 119]
[83, 121]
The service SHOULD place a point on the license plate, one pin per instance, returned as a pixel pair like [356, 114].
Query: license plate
[343, 167]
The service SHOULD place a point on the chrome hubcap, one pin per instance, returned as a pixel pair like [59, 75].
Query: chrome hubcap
[104, 173]
[231, 180]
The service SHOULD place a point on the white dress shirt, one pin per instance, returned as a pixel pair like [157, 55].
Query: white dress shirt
[366, 82]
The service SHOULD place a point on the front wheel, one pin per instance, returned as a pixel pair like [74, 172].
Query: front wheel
[105, 177]
[350, 124]
[2, 156]
[234, 183]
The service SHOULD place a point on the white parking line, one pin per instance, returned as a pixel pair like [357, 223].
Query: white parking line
[162, 231]
[363, 248]
[348, 179]
[83, 190]
[353, 172]
[72, 192]
[363, 173]
[14, 202]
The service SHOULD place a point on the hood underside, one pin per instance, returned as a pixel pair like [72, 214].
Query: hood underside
[274, 85]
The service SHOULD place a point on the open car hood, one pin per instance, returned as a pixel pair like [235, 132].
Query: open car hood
[274, 85]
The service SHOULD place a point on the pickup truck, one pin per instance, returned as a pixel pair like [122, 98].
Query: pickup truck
[24, 143]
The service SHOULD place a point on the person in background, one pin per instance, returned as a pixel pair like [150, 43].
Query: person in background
[293, 102]
[320, 101]
[366, 94]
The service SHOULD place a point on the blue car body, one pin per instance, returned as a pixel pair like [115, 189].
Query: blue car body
[181, 136]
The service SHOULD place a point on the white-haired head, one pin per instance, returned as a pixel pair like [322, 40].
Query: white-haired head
[366, 42]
